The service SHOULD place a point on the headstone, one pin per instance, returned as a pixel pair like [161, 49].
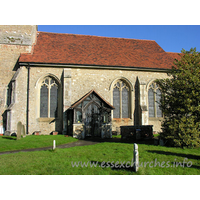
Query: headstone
[7, 133]
[54, 144]
[136, 157]
[19, 130]
[156, 141]
[23, 131]
[161, 142]
[1, 127]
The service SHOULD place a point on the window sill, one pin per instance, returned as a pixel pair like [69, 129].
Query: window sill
[121, 119]
[155, 118]
[46, 119]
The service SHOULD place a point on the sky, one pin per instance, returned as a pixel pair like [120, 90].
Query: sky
[172, 38]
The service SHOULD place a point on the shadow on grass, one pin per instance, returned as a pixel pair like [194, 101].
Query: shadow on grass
[114, 166]
[119, 140]
[189, 156]
[9, 137]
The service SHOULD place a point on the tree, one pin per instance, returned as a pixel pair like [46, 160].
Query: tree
[180, 101]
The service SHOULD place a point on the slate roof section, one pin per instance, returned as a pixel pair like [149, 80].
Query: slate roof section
[72, 49]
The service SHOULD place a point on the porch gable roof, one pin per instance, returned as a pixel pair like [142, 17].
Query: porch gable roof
[87, 95]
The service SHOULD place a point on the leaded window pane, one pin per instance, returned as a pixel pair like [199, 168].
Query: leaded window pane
[116, 103]
[46, 81]
[78, 116]
[52, 81]
[125, 100]
[158, 97]
[9, 96]
[151, 103]
[44, 101]
[53, 101]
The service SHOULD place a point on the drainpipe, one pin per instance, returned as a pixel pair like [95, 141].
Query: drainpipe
[27, 105]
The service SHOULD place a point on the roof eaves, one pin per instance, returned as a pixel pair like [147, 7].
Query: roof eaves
[69, 65]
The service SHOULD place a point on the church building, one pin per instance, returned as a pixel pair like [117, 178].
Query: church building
[78, 85]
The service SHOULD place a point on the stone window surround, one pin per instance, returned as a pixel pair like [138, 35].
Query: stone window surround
[48, 83]
[129, 84]
[38, 86]
[155, 118]
[10, 94]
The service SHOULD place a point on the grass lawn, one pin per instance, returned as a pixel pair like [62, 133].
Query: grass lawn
[32, 141]
[108, 157]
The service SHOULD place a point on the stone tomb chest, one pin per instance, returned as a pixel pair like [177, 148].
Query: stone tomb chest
[137, 132]
[90, 116]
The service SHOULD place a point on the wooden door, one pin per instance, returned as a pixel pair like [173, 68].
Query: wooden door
[92, 120]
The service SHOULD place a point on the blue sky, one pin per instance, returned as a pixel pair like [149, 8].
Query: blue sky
[172, 38]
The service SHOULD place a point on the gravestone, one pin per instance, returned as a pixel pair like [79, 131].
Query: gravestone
[23, 131]
[136, 157]
[7, 133]
[161, 142]
[19, 130]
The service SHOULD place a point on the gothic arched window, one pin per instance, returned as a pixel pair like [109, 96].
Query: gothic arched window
[48, 98]
[121, 99]
[154, 95]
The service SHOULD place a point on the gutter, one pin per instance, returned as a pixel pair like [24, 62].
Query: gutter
[93, 67]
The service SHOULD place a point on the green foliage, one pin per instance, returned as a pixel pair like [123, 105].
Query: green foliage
[180, 101]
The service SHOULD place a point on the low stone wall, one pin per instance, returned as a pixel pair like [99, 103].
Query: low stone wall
[79, 131]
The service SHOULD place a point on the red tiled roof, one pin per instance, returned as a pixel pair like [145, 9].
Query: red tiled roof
[93, 50]
[174, 55]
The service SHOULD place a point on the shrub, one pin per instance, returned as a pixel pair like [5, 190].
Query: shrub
[180, 101]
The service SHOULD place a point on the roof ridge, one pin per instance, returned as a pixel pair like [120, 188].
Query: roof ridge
[173, 52]
[95, 36]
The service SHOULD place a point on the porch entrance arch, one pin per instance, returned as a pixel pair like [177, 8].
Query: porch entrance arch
[91, 116]
[92, 120]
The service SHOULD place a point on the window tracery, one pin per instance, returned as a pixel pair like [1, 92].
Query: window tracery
[154, 95]
[121, 96]
[48, 98]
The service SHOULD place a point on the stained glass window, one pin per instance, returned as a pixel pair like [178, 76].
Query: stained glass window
[158, 97]
[151, 103]
[121, 100]
[44, 101]
[49, 98]
[116, 102]
[125, 100]
[53, 101]
[154, 95]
